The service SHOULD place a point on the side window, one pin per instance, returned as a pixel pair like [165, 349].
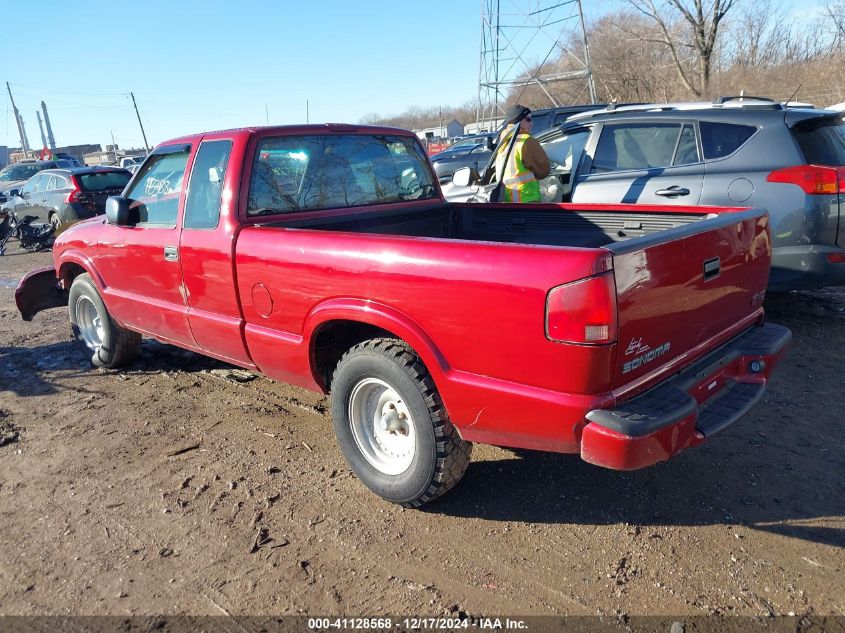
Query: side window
[687, 152]
[156, 193]
[60, 182]
[202, 208]
[34, 185]
[635, 146]
[720, 139]
[565, 152]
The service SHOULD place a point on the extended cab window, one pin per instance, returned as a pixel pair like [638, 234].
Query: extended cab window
[636, 146]
[202, 208]
[156, 192]
[299, 173]
[720, 139]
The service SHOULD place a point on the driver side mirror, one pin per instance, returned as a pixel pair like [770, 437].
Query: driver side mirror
[14, 192]
[465, 176]
[119, 213]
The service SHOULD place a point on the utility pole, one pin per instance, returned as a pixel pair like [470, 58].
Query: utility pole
[49, 127]
[41, 128]
[19, 121]
[146, 145]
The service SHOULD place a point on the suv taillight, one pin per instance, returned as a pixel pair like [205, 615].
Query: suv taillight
[73, 195]
[813, 179]
[583, 311]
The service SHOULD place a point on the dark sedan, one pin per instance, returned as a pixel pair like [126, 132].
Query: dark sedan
[14, 176]
[64, 196]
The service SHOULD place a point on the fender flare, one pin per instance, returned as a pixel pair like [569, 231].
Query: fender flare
[382, 316]
[80, 259]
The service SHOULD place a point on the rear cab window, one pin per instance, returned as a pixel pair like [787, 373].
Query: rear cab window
[305, 173]
[822, 141]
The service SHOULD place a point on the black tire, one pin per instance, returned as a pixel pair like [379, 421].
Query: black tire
[440, 457]
[111, 345]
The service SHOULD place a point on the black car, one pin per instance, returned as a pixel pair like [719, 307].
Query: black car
[63, 196]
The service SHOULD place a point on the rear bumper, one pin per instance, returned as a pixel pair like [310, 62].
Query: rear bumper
[683, 411]
[806, 267]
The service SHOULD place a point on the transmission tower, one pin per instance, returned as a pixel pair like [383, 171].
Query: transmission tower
[518, 38]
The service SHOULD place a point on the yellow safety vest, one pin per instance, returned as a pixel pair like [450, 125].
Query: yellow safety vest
[518, 182]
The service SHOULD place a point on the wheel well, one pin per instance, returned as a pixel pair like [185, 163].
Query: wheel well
[69, 272]
[333, 339]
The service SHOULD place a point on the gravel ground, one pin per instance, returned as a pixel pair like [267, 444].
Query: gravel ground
[184, 486]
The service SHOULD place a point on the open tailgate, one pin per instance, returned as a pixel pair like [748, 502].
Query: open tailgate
[683, 291]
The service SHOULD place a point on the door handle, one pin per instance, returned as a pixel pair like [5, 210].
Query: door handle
[672, 192]
[43, 199]
[171, 254]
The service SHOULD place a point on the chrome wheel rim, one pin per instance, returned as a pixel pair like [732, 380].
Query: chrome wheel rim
[382, 426]
[90, 323]
[54, 220]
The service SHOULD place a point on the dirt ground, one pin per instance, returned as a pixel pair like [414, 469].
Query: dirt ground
[183, 486]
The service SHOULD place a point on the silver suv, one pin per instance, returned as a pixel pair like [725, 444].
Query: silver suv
[732, 152]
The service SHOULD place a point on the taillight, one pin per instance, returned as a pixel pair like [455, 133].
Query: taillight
[583, 311]
[73, 195]
[813, 179]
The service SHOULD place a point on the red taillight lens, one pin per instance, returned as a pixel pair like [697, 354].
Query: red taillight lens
[73, 196]
[813, 179]
[583, 311]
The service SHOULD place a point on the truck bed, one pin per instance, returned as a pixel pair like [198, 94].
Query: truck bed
[587, 226]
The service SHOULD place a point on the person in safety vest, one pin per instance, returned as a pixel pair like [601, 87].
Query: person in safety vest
[527, 162]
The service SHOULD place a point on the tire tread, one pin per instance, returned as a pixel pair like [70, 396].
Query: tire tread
[453, 453]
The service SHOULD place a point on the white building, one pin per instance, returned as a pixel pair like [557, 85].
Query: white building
[448, 129]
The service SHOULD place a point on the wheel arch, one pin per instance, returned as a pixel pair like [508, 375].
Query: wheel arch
[337, 325]
[72, 264]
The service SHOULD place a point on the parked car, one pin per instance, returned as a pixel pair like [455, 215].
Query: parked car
[749, 151]
[473, 151]
[63, 196]
[325, 256]
[476, 151]
[15, 175]
[127, 161]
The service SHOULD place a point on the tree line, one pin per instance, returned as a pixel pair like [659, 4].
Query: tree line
[683, 50]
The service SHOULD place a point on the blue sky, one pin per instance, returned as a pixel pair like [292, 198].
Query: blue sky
[199, 65]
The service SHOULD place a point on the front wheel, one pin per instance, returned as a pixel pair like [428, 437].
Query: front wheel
[392, 426]
[102, 340]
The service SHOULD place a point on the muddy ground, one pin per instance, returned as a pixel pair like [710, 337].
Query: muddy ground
[183, 486]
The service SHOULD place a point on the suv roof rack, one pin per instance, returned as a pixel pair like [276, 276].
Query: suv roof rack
[725, 99]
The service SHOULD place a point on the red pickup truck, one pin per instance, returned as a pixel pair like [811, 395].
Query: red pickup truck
[325, 256]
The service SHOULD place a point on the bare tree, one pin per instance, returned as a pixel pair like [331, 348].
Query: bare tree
[699, 37]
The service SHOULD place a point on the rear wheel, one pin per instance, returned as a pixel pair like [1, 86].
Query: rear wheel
[55, 221]
[392, 426]
[102, 340]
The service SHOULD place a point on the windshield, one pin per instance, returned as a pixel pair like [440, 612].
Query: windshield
[299, 173]
[20, 172]
[467, 144]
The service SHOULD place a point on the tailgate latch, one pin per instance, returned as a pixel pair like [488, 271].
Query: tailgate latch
[712, 267]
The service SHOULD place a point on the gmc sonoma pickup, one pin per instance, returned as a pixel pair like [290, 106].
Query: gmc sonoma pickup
[325, 256]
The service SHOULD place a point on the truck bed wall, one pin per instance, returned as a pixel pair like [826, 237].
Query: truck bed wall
[500, 223]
